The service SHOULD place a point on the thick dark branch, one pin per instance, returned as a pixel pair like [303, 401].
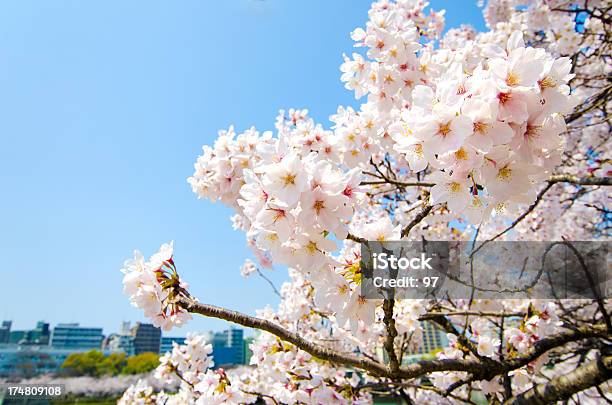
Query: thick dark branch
[479, 369]
[556, 178]
[492, 368]
[582, 181]
[389, 344]
[564, 386]
[375, 368]
[542, 346]
[420, 216]
[286, 335]
[355, 238]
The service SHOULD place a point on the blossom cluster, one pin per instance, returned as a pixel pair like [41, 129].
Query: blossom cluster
[155, 287]
[519, 336]
[283, 372]
[484, 121]
[288, 196]
[292, 376]
[472, 127]
[189, 365]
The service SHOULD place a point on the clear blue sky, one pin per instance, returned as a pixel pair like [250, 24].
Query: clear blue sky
[104, 107]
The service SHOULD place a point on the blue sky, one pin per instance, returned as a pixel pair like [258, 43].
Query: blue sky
[104, 107]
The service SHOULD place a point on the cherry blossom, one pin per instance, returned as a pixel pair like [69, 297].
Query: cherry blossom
[481, 136]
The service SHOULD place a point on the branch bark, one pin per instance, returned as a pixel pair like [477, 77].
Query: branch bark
[581, 181]
[286, 335]
[556, 178]
[389, 344]
[563, 387]
[420, 216]
[479, 369]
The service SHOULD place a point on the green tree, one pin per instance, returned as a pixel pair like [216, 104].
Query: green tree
[83, 363]
[112, 364]
[141, 363]
[94, 363]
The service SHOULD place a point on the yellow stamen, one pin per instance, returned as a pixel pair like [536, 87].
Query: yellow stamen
[418, 150]
[547, 83]
[504, 173]
[512, 79]
[444, 129]
[481, 127]
[318, 206]
[454, 187]
[461, 154]
[289, 179]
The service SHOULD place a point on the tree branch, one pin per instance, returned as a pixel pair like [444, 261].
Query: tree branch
[479, 369]
[563, 387]
[581, 181]
[420, 216]
[556, 178]
[286, 335]
[389, 343]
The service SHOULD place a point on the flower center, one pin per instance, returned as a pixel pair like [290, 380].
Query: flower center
[311, 247]
[289, 179]
[444, 129]
[318, 206]
[278, 214]
[461, 154]
[418, 150]
[512, 79]
[547, 83]
[504, 97]
[454, 187]
[504, 173]
[481, 127]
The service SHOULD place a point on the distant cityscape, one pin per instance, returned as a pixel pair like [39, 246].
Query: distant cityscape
[42, 350]
[26, 353]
